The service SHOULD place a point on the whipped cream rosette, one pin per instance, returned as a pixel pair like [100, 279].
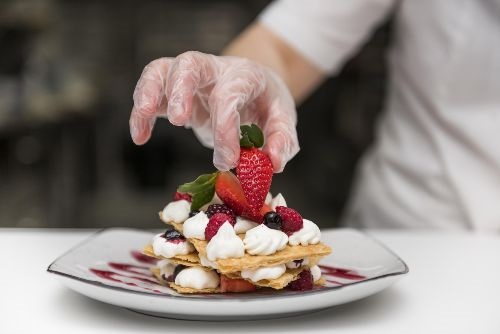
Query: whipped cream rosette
[229, 234]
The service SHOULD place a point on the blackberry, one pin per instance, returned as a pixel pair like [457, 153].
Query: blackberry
[272, 220]
[220, 208]
[193, 213]
[177, 270]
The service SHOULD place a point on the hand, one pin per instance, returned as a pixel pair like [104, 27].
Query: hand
[213, 96]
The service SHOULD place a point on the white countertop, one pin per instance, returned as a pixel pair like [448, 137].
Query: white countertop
[453, 287]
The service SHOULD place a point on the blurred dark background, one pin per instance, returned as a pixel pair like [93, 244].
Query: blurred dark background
[67, 73]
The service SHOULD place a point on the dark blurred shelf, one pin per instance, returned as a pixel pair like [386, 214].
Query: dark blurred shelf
[17, 126]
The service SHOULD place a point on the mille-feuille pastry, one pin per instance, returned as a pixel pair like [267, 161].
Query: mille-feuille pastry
[230, 235]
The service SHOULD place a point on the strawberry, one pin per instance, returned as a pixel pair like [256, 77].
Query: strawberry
[229, 190]
[255, 172]
[257, 216]
[265, 209]
[246, 193]
[235, 285]
[181, 196]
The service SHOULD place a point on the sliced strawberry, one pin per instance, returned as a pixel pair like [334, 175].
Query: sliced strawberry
[255, 172]
[235, 285]
[181, 196]
[265, 209]
[229, 190]
[256, 215]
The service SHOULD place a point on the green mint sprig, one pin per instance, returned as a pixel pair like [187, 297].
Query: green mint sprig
[201, 190]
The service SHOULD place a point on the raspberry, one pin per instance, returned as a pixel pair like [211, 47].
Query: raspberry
[215, 222]
[292, 220]
[220, 208]
[179, 196]
[303, 282]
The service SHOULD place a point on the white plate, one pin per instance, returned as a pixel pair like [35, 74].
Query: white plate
[109, 267]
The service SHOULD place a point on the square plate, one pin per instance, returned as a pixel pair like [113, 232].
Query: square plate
[109, 267]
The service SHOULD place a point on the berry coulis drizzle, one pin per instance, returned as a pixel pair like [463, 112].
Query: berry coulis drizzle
[330, 273]
[139, 257]
[113, 276]
[131, 269]
[335, 272]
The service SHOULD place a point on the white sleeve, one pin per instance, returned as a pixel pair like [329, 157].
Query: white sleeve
[326, 32]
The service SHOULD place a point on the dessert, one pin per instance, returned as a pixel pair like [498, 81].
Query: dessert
[227, 233]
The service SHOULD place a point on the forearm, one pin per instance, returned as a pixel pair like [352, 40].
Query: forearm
[258, 43]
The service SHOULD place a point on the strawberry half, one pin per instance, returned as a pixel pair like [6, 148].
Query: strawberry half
[257, 216]
[229, 190]
[181, 196]
[255, 172]
[235, 285]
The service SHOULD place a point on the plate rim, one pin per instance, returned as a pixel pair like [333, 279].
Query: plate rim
[237, 297]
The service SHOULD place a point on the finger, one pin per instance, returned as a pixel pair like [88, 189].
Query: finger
[149, 99]
[236, 90]
[280, 149]
[189, 71]
[140, 128]
[281, 136]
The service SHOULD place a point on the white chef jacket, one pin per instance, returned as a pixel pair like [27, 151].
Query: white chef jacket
[435, 162]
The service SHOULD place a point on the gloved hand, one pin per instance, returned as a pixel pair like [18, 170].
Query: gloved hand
[214, 95]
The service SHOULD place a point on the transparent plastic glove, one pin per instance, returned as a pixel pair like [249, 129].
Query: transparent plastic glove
[213, 96]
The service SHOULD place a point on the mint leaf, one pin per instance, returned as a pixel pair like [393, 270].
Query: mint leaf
[251, 136]
[199, 184]
[201, 190]
[201, 198]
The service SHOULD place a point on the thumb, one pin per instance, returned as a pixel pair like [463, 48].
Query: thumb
[226, 130]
